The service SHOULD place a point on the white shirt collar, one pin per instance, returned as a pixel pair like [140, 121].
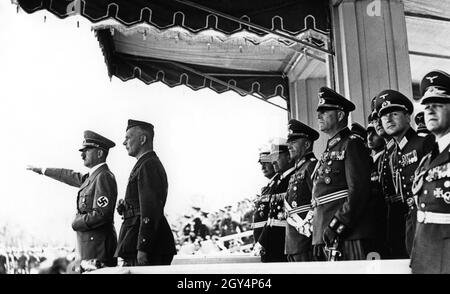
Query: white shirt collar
[94, 168]
[443, 142]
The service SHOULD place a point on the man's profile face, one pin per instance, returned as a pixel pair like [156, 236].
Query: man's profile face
[327, 119]
[267, 169]
[374, 141]
[281, 162]
[90, 157]
[132, 141]
[437, 117]
[297, 148]
[395, 122]
[379, 127]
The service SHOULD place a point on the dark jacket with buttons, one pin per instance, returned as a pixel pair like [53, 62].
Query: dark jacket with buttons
[272, 237]
[396, 210]
[380, 208]
[344, 166]
[431, 249]
[298, 195]
[404, 160]
[94, 221]
[261, 211]
[145, 227]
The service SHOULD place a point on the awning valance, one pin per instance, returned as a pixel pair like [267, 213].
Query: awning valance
[289, 16]
[264, 84]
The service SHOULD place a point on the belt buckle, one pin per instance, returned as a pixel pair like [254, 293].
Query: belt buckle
[420, 216]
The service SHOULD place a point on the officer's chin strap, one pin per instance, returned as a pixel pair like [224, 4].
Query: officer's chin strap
[332, 253]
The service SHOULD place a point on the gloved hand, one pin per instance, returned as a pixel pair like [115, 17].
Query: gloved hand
[34, 169]
[121, 207]
[142, 258]
[329, 236]
[258, 249]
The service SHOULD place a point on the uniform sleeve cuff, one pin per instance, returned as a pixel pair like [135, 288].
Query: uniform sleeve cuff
[338, 227]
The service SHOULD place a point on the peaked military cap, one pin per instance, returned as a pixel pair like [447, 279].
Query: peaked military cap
[419, 119]
[135, 123]
[94, 140]
[370, 128]
[329, 99]
[393, 101]
[298, 129]
[264, 154]
[435, 87]
[359, 130]
[374, 104]
[278, 146]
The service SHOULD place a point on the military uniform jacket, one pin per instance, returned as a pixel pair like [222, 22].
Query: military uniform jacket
[431, 249]
[298, 196]
[145, 227]
[273, 234]
[404, 160]
[94, 221]
[261, 212]
[385, 174]
[380, 208]
[341, 188]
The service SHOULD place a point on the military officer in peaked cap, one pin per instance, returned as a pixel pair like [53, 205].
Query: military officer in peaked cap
[395, 210]
[96, 200]
[422, 130]
[343, 224]
[145, 237]
[431, 188]
[261, 203]
[409, 148]
[273, 234]
[376, 144]
[297, 202]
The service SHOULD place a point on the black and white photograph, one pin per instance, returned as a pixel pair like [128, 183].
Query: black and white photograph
[236, 139]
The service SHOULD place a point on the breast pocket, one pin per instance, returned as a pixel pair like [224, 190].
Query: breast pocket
[86, 200]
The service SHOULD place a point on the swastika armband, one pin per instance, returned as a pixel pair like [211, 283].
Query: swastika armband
[102, 201]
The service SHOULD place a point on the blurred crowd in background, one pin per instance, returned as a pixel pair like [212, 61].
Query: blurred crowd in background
[196, 232]
[227, 230]
[44, 260]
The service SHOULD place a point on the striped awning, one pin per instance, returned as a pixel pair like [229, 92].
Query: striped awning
[289, 16]
[247, 46]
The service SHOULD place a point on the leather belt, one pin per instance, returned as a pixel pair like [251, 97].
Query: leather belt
[321, 200]
[428, 217]
[258, 225]
[300, 209]
[276, 223]
[135, 211]
[394, 198]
